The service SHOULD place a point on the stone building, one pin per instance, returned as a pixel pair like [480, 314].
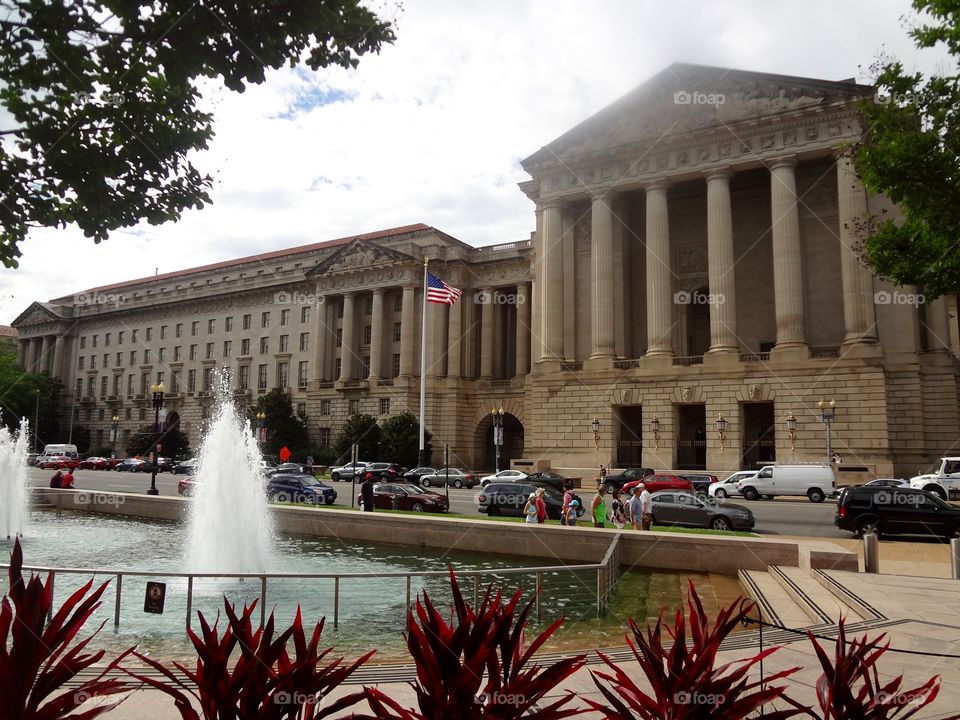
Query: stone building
[693, 269]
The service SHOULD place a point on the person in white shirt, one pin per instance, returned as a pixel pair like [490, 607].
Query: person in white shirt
[646, 503]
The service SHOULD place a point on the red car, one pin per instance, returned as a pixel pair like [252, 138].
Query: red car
[59, 462]
[187, 486]
[660, 481]
[407, 496]
[95, 463]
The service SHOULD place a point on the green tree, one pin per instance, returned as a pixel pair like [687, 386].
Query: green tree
[173, 443]
[284, 426]
[81, 438]
[910, 152]
[34, 396]
[104, 98]
[363, 430]
[400, 440]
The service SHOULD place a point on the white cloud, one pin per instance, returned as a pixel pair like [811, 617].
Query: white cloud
[432, 129]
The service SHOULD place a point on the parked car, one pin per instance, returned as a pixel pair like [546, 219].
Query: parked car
[508, 498]
[299, 488]
[895, 511]
[617, 481]
[297, 468]
[888, 483]
[813, 481]
[134, 465]
[684, 508]
[186, 467]
[458, 478]
[407, 496]
[417, 473]
[32, 459]
[347, 471]
[382, 471]
[187, 486]
[165, 464]
[94, 463]
[728, 486]
[505, 475]
[701, 482]
[659, 481]
[59, 462]
[549, 479]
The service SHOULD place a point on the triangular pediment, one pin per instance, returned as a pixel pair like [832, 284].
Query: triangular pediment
[687, 98]
[35, 314]
[360, 255]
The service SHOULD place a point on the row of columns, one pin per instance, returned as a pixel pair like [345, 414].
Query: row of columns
[859, 311]
[446, 335]
[42, 354]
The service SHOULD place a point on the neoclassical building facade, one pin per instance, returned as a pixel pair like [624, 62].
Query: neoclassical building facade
[691, 290]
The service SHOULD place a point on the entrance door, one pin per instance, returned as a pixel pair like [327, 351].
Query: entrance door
[629, 436]
[759, 436]
[692, 437]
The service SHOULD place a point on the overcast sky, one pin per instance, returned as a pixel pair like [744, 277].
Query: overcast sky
[432, 130]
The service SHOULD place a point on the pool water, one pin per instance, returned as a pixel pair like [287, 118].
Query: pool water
[371, 610]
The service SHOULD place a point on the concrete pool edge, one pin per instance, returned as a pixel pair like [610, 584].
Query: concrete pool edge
[651, 550]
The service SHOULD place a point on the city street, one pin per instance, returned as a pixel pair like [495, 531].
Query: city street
[797, 517]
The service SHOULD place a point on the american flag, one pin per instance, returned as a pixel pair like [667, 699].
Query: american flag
[439, 292]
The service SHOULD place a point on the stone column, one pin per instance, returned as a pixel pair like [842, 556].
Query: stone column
[659, 276]
[787, 269]
[34, 355]
[320, 332]
[45, 353]
[534, 297]
[859, 312]
[552, 264]
[376, 334]
[347, 349]
[408, 330]
[454, 337]
[21, 352]
[57, 368]
[486, 335]
[720, 257]
[601, 265]
[523, 329]
[436, 347]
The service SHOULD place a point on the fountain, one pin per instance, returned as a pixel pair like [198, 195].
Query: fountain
[230, 529]
[13, 480]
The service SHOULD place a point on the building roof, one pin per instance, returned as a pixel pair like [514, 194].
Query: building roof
[263, 257]
[7, 331]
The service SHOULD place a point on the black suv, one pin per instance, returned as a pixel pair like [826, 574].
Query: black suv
[615, 482]
[508, 498]
[895, 511]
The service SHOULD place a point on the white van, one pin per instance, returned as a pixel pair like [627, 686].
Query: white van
[58, 450]
[814, 481]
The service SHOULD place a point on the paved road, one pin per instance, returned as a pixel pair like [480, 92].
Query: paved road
[774, 517]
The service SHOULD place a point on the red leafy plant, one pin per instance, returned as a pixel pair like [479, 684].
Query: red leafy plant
[685, 681]
[477, 666]
[38, 658]
[850, 686]
[265, 682]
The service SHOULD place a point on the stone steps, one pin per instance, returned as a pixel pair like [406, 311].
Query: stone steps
[819, 603]
[775, 604]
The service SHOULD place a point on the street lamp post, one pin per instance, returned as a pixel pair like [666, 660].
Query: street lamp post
[260, 416]
[158, 392]
[721, 425]
[655, 429]
[828, 413]
[792, 429]
[36, 419]
[497, 435]
[114, 424]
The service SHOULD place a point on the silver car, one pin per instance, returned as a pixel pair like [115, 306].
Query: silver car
[728, 486]
[672, 507]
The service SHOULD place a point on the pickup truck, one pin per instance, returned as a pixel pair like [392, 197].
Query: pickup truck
[943, 481]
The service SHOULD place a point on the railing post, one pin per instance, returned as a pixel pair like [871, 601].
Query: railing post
[476, 591]
[336, 602]
[599, 591]
[538, 591]
[189, 599]
[116, 603]
[53, 577]
[263, 600]
[955, 558]
[871, 553]
[407, 606]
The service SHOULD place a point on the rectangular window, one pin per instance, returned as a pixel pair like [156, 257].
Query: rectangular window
[106, 360]
[243, 379]
[207, 379]
[324, 407]
[130, 385]
[178, 330]
[246, 321]
[302, 409]
[191, 381]
[95, 337]
[284, 317]
[337, 367]
[283, 374]
[211, 327]
[367, 334]
[264, 319]
[228, 324]
[119, 359]
[397, 302]
[194, 328]
[160, 377]
[83, 342]
[284, 343]
[305, 314]
[144, 382]
[340, 309]
[146, 356]
[354, 407]
[264, 345]
[80, 363]
[78, 390]
[365, 366]
[103, 387]
[396, 331]
[384, 406]
[177, 353]
[395, 365]
[133, 335]
[245, 347]
[161, 354]
[133, 358]
[117, 380]
[163, 332]
[368, 305]
[262, 377]
[149, 334]
[209, 355]
[93, 362]
[339, 337]
[120, 337]
[129, 413]
[227, 348]
[304, 342]
[324, 437]
[106, 340]
[91, 386]
[193, 352]
[303, 370]
[175, 381]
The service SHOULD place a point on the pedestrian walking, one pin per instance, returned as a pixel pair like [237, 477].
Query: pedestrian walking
[541, 506]
[646, 507]
[573, 513]
[530, 509]
[567, 499]
[636, 508]
[617, 511]
[598, 508]
[366, 494]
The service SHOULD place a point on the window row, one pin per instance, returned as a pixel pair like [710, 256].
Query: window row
[194, 352]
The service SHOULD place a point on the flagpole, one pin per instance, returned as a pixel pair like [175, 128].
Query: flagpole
[422, 457]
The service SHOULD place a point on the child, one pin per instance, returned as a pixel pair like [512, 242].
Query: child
[530, 509]
[572, 513]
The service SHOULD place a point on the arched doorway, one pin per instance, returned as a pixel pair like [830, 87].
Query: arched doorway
[484, 450]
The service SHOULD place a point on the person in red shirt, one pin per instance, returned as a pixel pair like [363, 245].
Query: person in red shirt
[541, 506]
[67, 481]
